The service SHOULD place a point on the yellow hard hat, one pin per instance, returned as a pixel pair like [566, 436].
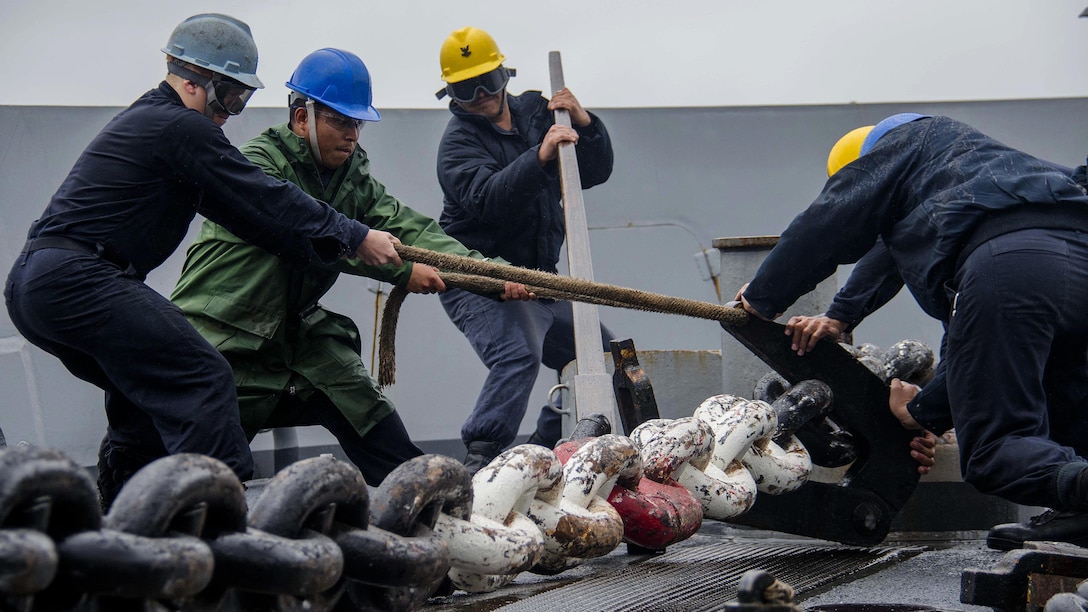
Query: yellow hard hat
[847, 149]
[468, 52]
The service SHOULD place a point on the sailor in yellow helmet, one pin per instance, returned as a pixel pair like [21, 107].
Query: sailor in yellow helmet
[991, 242]
[498, 168]
[466, 55]
[847, 149]
[872, 284]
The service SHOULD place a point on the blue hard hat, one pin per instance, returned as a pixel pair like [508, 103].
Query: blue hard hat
[338, 79]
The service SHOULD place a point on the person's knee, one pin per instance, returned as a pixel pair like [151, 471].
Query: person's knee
[520, 364]
[981, 480]
[215, 431]
[981, 469]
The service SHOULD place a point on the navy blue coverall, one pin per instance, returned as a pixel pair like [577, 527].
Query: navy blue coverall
[498, 200]
[77, 288]
[988, 239]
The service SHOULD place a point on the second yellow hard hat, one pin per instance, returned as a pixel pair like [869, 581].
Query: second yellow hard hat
[847, 149]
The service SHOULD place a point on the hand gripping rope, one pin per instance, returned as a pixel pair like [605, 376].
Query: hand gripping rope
[488, 278]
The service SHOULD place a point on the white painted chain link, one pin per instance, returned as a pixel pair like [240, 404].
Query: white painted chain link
[744, 429]
[578, 523]
[500, 540]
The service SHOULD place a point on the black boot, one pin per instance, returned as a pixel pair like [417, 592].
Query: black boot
[480, 453]
[536, 438]
[109, 480]
[1051, 526]
[116, 465]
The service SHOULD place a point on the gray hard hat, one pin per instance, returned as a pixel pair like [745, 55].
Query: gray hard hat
[219, 43]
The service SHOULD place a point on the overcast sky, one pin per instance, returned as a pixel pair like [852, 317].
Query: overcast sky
[618, 53]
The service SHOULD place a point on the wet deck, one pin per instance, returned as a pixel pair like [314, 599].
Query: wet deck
[917, 570]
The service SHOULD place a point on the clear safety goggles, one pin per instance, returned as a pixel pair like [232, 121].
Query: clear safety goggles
[340, 122]
[225, 95]
[490, 82]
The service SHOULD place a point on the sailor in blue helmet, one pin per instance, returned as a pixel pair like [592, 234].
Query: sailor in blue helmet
[294, 360]
[989, 241]
[77, 289]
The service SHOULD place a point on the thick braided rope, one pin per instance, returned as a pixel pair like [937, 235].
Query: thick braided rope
[488, 278]
[493, 286]
[578, 289]
[387, 340]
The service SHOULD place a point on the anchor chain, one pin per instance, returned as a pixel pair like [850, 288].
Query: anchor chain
[384, 570]
[500, 540]
[908, 360]
[775, 469]
[657, 511]
[45, 501]
[189, 499]
[577, 521]
[685, 447]
[300, 504]
[408, 505]
[179, 534]
[828, 443]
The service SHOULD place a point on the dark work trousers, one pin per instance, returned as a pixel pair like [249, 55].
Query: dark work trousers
[385, 446]
[513, 339]
[1016, 364]
[167, 389]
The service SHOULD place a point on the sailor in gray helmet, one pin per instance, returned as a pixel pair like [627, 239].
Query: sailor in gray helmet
[77, 289]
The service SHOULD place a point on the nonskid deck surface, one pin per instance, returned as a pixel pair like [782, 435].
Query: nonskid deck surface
[702, 573]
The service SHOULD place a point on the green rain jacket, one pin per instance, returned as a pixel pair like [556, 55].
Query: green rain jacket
[263, 314]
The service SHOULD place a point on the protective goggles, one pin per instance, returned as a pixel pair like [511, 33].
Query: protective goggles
[225, 95]
[490, 82]
[341, 122]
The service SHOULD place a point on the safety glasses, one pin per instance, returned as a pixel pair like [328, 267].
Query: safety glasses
[341, 122]
[490, 82]
[224, 93]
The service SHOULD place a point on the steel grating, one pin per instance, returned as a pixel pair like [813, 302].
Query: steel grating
[705, 576]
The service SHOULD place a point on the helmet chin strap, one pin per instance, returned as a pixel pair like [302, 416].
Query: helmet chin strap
[312, 128]
[174, 66]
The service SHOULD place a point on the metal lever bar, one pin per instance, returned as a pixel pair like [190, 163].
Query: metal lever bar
[592, 386]
[879, 482]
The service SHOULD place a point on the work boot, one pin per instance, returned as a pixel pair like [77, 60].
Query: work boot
[116, 465]
[109, 480]
[591, 426]
[480, 453]
[536, 438]
[1050, 526]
